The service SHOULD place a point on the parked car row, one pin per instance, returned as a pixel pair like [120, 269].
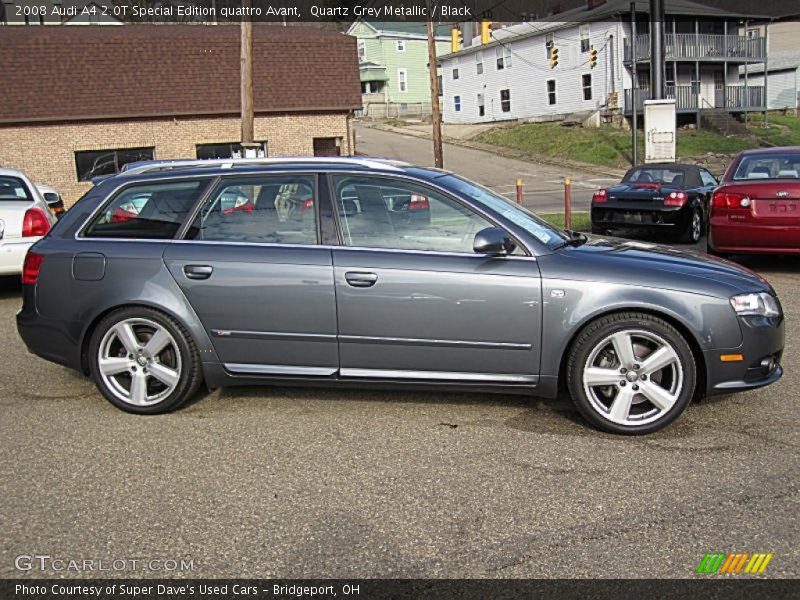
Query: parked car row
[754, 208]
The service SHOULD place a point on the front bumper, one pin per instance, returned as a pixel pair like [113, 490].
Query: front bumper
[762, 349]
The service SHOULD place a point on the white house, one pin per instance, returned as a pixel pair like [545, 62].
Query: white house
[511, 77]
[783, 79]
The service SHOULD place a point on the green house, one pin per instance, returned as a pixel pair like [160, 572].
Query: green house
[393, 60]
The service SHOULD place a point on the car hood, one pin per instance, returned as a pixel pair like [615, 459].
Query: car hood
[664, 266]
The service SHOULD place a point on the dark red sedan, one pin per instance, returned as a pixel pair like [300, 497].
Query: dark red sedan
[756, 209]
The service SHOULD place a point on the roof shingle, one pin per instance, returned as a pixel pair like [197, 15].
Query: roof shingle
[75, 73]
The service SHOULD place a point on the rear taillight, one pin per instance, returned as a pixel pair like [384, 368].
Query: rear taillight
[728, 200]
[675, 199]
[31, 267]
[599, 196]
[418, 203]
[34, 223]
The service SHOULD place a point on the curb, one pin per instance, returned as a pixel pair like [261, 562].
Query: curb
[501, 151]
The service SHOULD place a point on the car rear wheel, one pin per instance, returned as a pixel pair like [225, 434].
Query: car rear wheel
[694, 231]
[143, 361]
[631, 373]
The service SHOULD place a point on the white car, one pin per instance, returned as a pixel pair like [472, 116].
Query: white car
[53, 199]
[24, 219]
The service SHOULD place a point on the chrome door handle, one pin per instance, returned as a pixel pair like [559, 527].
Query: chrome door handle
[360, 279]
[198, 271]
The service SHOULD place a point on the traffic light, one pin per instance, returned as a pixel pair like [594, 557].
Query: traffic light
[486, 32]
[456, 39]
[592, 58]
[553, 57]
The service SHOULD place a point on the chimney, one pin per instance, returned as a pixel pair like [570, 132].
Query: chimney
[591, 4]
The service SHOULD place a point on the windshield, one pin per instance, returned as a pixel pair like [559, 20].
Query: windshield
[12, 188]
[543, 231]
[769, 166]
[662, 175]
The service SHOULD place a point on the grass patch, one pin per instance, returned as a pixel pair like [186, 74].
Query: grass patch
[581, 221]
[612, 147]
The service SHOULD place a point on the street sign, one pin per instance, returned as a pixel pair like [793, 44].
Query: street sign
[659, 130]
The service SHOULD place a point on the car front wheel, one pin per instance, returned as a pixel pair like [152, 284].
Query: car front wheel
[143, 361]
[631, 373]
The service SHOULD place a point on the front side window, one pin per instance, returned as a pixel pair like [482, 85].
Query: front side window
[268, 209]
[227, 150]
[153, 210]
[378, 212]
[505, 100]
[12, 188]
[551, 91]
[708, 178]
[92, 163]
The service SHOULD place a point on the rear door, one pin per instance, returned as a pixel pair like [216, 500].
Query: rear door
[251, 267]
[415, 302]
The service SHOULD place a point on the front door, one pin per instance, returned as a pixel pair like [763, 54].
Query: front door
[262, 287]
[415, 302]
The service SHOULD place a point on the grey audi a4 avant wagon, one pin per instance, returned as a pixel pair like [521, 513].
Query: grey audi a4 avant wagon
[353, 271]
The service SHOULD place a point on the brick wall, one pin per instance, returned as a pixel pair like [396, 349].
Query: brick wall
[46, 152]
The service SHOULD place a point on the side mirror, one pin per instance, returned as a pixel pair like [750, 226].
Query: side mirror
[493, 241]
[54, 203]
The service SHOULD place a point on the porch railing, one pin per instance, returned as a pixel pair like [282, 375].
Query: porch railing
[733, 97]
[690, 46]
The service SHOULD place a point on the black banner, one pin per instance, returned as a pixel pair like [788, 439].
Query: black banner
[345, 11]
[708, 588]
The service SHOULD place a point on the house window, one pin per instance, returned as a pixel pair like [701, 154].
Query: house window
[551, 91]
[457, 103]
[549, 42]
[584, 33]
[505, 100]
[479, 63]
[402, 80]
[327, 146]
[586, 81]
[92, 163]
[481, 107]
[400, 45]
[226, 150]
[669, 75]
[753, 34]
[362, 50]
[455, 68]
[441, 84]
[503, 55]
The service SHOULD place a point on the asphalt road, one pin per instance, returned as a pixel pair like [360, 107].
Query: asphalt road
[307, 483]
[543, 185]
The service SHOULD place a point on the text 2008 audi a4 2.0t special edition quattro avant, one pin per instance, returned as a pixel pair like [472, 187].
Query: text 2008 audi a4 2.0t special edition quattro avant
[370, 272]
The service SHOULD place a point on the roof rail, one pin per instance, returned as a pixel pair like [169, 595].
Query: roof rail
[229, 163]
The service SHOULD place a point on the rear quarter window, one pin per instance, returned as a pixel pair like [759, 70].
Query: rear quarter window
[13, 189]
[147, 211]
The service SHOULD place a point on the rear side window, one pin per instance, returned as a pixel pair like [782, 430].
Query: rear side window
[267, 209]
[12, 188]
[147, 211]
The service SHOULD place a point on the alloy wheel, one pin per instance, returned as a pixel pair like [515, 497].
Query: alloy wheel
[633, 377]
[697, 226]
[139, 361]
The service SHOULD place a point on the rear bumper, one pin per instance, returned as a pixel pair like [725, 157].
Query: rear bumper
[612, 215]
[753, 237]
[762, 348]
[12, 255]
[48, 338]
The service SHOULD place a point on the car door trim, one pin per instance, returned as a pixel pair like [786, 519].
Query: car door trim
[257, 369]
[438, 375]
[272, 335]
[365, 339]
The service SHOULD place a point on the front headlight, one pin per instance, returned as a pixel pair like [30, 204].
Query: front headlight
[762, 304]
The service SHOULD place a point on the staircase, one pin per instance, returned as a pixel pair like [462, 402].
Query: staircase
[721, 121]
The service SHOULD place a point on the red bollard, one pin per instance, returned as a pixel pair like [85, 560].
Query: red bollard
[567, 203]
[519, 191]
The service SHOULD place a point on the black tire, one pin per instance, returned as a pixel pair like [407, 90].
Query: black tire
[692, 234]
[593, 336]
[184, 352]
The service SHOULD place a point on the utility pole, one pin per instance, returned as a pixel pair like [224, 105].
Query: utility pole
[246, 70]
[656, 49]
[634, 89]
[436, 114]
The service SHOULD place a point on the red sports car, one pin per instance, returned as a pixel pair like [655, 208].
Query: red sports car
[756, 209]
